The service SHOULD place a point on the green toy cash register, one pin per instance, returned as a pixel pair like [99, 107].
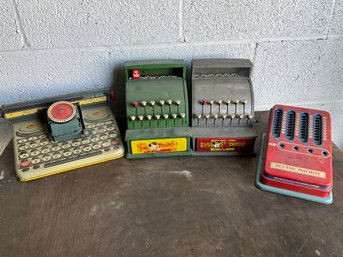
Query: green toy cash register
[157, 109]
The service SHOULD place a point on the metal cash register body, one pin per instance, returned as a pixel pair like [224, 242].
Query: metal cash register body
[222, 107]
[157, 109]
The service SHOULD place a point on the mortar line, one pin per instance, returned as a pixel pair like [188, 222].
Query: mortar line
[109, 67]
[171, 44]
[181, 28]
[23, 38]
[263, 107]
[255, 45]
[332, 10]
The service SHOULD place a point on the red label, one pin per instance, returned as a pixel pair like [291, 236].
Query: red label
[136, 74]
[225, 144]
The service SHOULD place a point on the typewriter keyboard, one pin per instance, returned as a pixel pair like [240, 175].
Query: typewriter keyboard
[36, 152]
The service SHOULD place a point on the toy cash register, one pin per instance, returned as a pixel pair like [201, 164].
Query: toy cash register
[62, 133]
[296, 155]
[157, 109]
[222, 107]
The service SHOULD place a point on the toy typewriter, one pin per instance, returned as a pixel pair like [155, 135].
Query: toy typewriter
[295, 157]
[62, 133]
[222, 107]
[157, 109]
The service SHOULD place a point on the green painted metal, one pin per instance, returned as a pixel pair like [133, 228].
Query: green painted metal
[159, 80]
[66, 131]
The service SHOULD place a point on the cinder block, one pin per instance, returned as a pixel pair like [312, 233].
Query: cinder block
[292, 72]
[81, 23]
[34, 74]
[337, 19]
[183, 51]
[9, 36]
[245, 19]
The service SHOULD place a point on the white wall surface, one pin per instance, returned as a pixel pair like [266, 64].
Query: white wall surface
[55, 47]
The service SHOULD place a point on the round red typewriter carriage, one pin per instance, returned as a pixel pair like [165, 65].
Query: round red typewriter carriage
[61, 112]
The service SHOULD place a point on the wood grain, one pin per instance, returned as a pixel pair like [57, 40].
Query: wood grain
[190, 206]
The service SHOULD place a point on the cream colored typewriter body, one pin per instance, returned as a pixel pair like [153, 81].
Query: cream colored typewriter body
[46, 142]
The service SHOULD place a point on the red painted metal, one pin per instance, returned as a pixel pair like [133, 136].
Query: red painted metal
[136, 74]
[303, 166]
[225, 144]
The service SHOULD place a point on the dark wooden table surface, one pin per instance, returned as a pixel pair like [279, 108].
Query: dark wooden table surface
[190, 206]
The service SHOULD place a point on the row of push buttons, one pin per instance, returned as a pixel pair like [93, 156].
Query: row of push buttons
[158, 116]
[227, 102]
[237, 104]
[223, 116]
[152, 102]
[242, 119]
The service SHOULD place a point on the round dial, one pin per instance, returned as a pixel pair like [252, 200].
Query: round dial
[61, 111]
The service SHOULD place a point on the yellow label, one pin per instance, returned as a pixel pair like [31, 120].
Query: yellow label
[159, 145]
[92, 100]
[20, 113]
[36, 110]
[298, 170]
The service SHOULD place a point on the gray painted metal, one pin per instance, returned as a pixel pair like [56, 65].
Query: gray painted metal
[222, 100]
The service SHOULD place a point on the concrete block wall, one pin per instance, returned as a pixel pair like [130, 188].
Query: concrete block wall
[50, 48]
